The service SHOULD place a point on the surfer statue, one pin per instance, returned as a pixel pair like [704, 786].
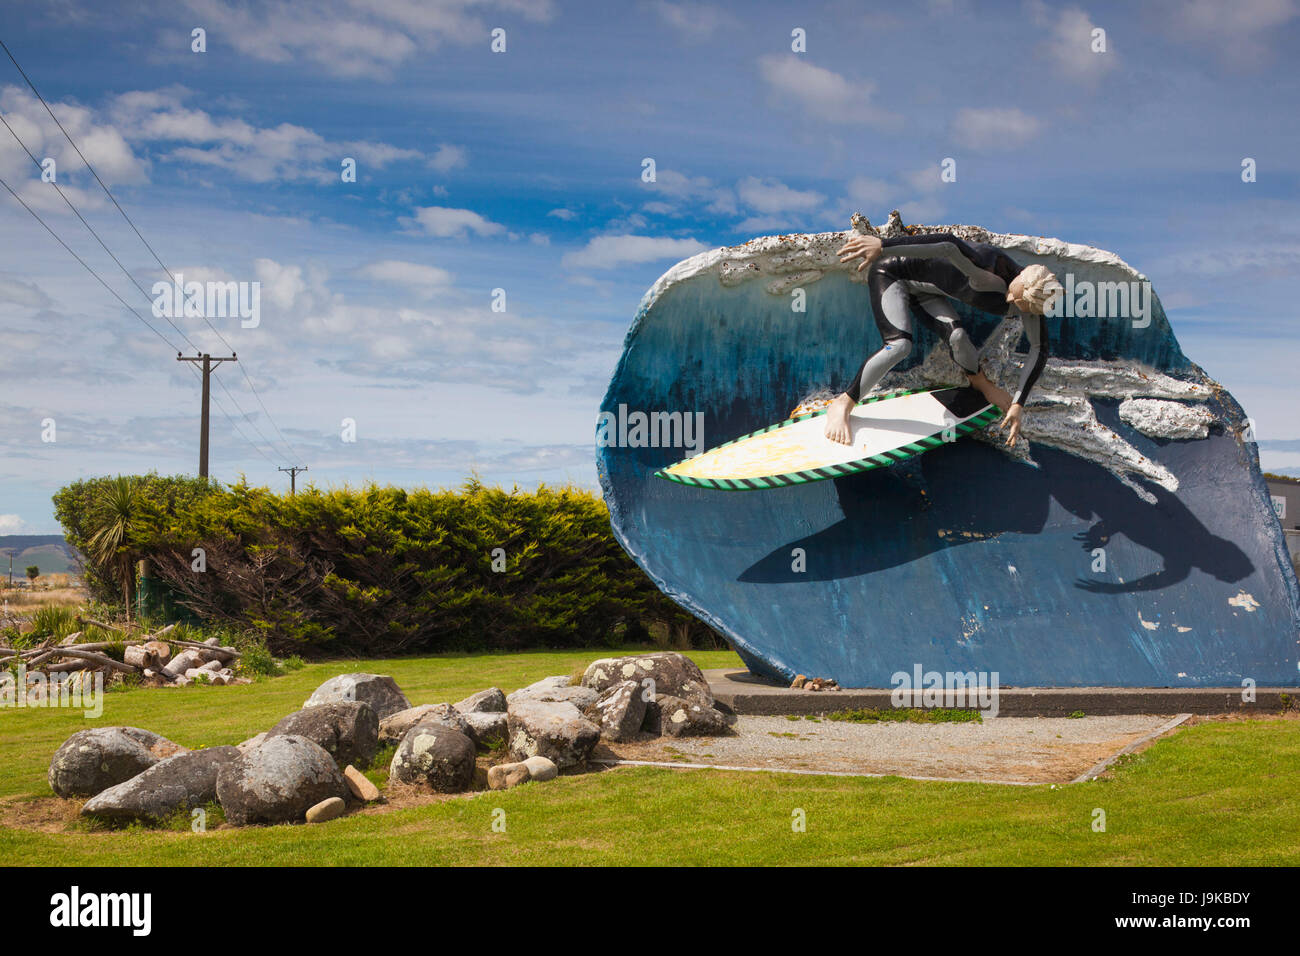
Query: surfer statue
[925, 272]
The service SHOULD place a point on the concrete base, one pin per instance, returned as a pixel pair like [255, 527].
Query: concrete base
[744, 693]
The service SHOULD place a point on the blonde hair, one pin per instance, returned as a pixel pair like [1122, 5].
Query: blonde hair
[1039, 287]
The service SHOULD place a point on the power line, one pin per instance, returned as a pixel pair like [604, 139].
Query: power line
[131, 278]
[251, 387]
[114, 293]
[90, 229]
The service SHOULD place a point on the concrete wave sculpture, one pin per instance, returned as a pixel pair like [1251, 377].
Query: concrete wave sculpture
[1130, 542]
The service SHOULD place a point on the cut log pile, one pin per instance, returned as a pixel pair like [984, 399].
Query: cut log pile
[157, 658]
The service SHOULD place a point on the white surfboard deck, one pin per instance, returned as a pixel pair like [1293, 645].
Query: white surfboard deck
[886, 428]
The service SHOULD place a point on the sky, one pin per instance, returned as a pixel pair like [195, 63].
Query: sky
[463, 302]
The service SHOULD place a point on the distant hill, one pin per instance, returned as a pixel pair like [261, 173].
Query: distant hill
[49, 552]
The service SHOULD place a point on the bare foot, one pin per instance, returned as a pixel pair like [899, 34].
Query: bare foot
[837, 420]
[995, 394]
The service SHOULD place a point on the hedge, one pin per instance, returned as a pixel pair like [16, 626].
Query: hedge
[385, 570]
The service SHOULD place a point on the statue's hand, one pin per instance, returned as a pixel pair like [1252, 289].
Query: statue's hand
[868, 247]
[1011, 421]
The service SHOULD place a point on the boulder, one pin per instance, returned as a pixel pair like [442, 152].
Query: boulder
[380, 692]
[688, 718]
[251, 742]
[555, 689]
[490, 701]
[177, 783]
[487, 727]
[330, 808]
[506, 775]
[434, 756]
[673, 674]
[360, 785]
[91, 761]
[553, 729]
[393, 728]
[541, 769]
[621, 710]
[349, 731]
[278, 781]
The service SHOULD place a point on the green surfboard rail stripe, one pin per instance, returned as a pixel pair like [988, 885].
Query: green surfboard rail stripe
[841, 469]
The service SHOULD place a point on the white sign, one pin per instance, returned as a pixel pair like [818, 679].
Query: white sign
[1279, 505]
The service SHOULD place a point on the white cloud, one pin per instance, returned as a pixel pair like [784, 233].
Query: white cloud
[869, 192]
[352, 38]
[607, 252]
[771, 195]
[281, 285]
[568, 215]
[994, 128]
[822, 93]
[694, 21]
[414, 274]
[286, 152]
[102, 144]
[25, 294]
[1069, 43]
[1242, 33]
[12, 524]
[448, 157]
[447, 223]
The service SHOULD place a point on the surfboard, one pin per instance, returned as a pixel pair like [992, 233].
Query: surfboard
[887, 428]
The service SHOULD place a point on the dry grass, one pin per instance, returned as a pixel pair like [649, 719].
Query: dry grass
[56, 596]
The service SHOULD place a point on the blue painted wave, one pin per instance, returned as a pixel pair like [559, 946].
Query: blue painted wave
[963, 559]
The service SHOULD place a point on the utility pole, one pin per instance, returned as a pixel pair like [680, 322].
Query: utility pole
[208, 363]
[293, 476]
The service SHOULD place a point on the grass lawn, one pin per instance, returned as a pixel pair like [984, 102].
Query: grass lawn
[1218, 793]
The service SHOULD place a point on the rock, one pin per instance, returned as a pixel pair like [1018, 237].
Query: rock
[506, 775]
[360, 785]
[490, 701]
[380, 692]
[251, 742]
[554, 729]
[91, 761]
[330, 808]
[541, 769]
[621, 709]
[652, 723]
[348, 731]
[673, 674]
[177, 783]
[555, 689]
[277, 781]
[688, 718]
[434, 756]
[487, 727]
[183, 662]
[393, 728]
[798, 682]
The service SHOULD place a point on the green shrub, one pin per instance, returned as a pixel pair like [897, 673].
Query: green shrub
[383, 570]
[53, 621]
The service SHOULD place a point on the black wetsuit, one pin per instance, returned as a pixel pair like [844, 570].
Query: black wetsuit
[925, 272]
